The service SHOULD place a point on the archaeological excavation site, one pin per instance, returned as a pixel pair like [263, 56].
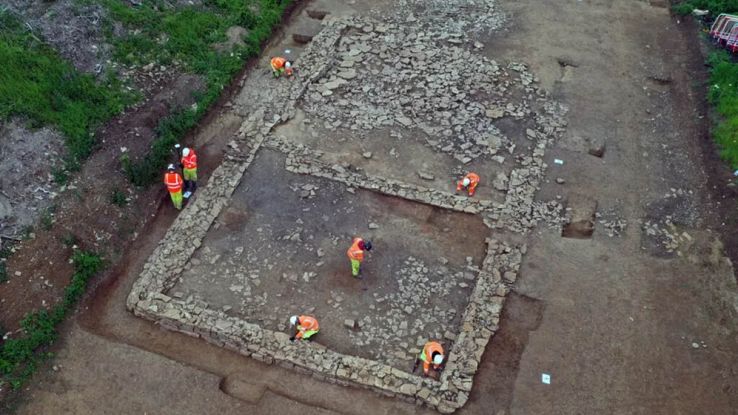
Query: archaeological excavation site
[289, 207]
[366, 141]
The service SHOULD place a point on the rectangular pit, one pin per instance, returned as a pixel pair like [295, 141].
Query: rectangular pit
[279, 248]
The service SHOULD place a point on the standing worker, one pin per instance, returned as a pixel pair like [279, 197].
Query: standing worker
[356, 254]
[189, 171]
[306, 327]
[173, 181]
[281, 65]
[431, 356]
[469, 182]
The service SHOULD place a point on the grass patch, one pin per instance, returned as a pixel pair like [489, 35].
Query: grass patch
[36, 83]
[19, 357]
[723, 94]
[185, 37]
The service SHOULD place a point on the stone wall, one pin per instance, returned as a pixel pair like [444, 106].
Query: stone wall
[450, 392]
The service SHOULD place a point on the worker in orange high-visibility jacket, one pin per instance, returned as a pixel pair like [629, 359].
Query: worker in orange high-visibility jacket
[469, 182]
[432, 357]
[174, 182]
[281, 65]
[189, 171]
[307, 327]
[356, 254]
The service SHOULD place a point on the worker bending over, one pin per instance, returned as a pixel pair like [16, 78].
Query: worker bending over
[431, 356]
[306, 327]
[189, 171]
[469, 182]
[356, 254]
[173, 181]
[281, 65]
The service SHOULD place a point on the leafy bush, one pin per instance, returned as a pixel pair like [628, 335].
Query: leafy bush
[20, 356]
[714, 6]
[118, 198]
[38, 84]
[723, 93]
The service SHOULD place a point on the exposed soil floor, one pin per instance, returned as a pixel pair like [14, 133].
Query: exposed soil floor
[620, 325]
[279, 250]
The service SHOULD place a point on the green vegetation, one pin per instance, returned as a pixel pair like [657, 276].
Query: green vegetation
[185, 37]
[714, 6]
[150, 169]
[118, 198]
[20, 356]
[723, 94]
[723, 91]
[37, 84]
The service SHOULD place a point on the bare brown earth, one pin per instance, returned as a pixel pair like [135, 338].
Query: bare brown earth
[640, 323]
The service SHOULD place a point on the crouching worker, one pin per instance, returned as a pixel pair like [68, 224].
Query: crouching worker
[306, 327]
[469, 182]
[432, 358]
[281, 65]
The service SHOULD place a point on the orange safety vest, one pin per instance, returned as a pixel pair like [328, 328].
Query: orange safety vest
[190, 162]
[278, 62]
[473, 179]
[429, 349]
[173, 181]
[355, 252]
[306, 323]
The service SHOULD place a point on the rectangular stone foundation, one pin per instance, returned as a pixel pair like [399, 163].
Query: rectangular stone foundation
[480, 318]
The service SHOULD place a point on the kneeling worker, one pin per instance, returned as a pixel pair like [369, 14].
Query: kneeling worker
[469, 182]
[306, 327]
[281, 65]
[431, 356]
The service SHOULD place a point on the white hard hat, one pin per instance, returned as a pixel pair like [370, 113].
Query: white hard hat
[288, 64]
[438, 359]
[466, 181]
[185, 151]
[293, 320]
[170, 167]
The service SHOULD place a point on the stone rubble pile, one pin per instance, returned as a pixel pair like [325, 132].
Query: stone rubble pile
[452, 20]
[396, 75]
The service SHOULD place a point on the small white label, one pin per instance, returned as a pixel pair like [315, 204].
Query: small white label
[558, 161]
[546, 378]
